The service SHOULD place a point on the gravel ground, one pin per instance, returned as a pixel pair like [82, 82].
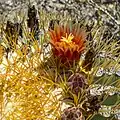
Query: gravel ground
[103, 12]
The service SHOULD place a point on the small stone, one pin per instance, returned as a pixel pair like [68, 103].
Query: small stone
[118, 72]
[110, 71]
[105, 111]
[117, 116]
[100, 72]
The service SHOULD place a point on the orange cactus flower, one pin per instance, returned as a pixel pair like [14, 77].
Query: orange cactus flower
[68, 42]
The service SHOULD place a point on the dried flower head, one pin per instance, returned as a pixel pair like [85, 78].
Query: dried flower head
[93, 104]
[32, 12]
[68, 42]
[52, 24]
[89, 60]
[12, 31]
[32, 21]
[72, 113]
[76, 82]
